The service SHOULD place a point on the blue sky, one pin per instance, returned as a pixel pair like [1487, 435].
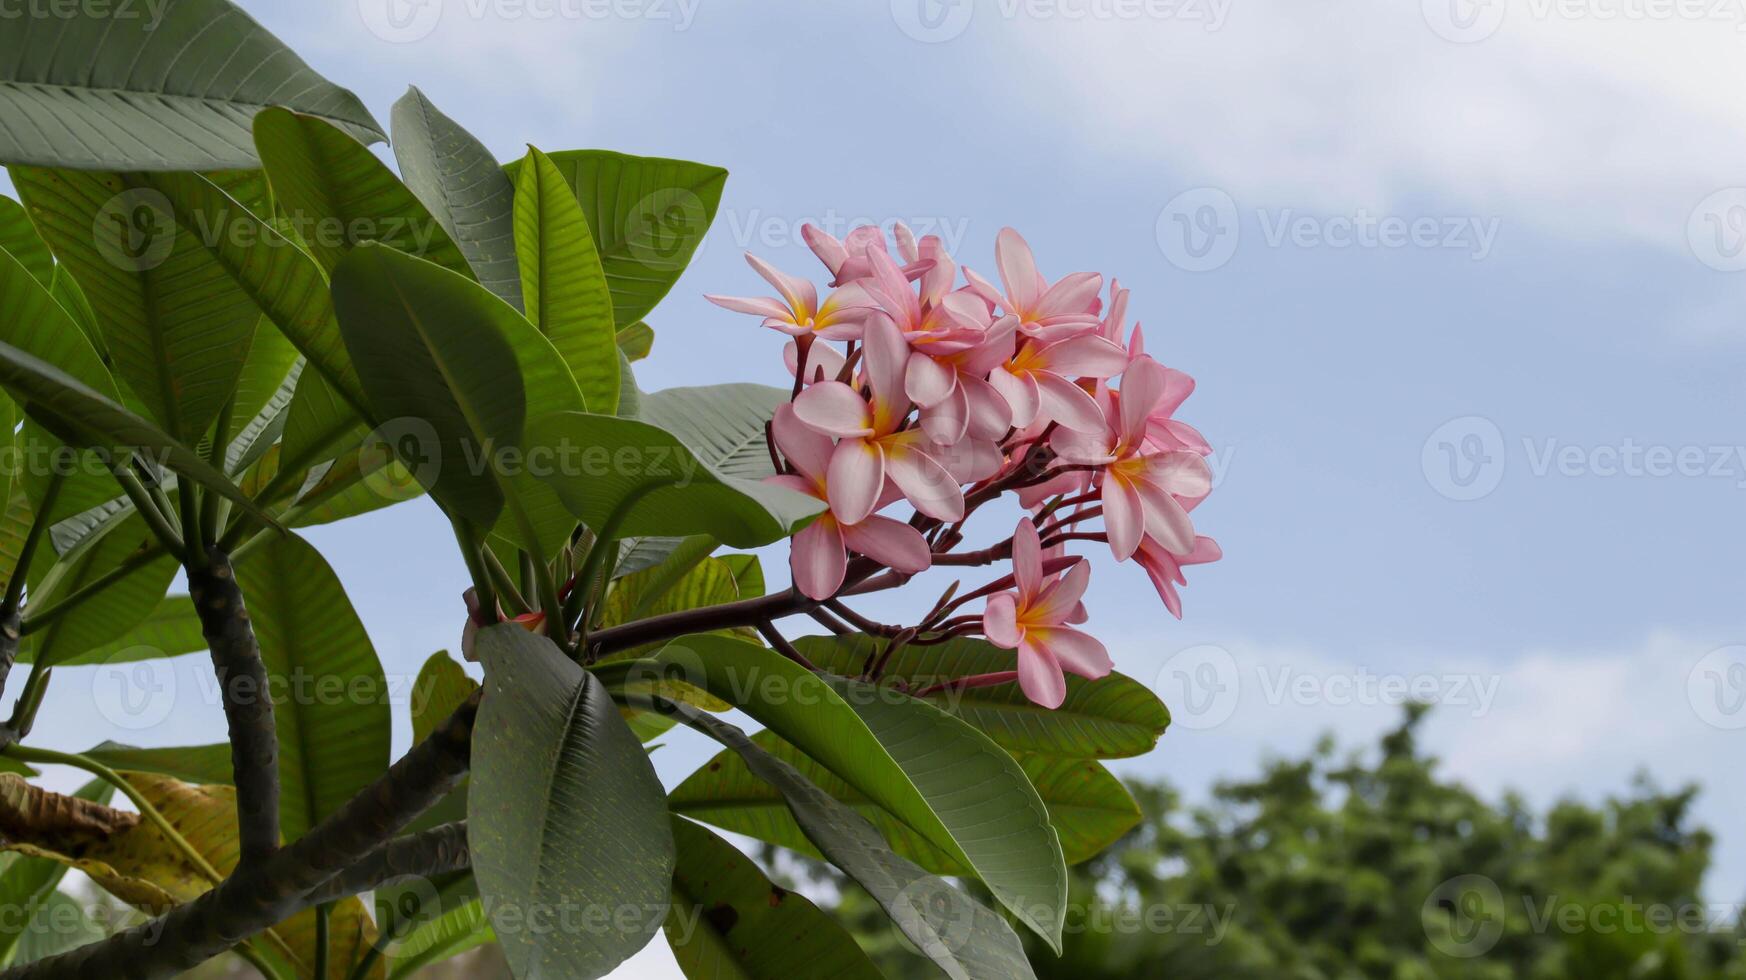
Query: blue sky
[1555, 292]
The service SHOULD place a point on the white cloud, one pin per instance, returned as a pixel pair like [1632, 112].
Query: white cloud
[1581, 125]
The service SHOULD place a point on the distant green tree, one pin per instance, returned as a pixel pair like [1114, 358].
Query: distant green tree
[1338, 866]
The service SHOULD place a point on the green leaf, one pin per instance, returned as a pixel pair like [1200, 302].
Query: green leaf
[171, 629]
[943, 779]
[454, 368]
[19, 238]
[561, 281]
[636, 340]
[32, 321]
[170, 86]
[723, 424]
[111, 613]
[442, 686]
[1088, 807]
[332, 708]
[1115, 717]
[961, 937]
[58, 925]
[648, 216]
[83, 417]
[175, 324]
[464, 188]
[731, 922]
[208, 765]
[748, 574]
[565, 815]
[281, 278]
[335, 194]
[643, 481]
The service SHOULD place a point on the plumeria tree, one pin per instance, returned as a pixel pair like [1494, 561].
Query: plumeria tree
[223, 318]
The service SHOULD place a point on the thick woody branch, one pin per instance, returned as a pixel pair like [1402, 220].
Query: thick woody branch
[248, 703]
[436, 851]
[257, 898]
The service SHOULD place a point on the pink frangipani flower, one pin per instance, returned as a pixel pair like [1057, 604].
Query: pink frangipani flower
[798, 312]
[818, 558]
[1140, 490]
[875, 445]
[1037, 619]
[1067, 308]
[1039, 381]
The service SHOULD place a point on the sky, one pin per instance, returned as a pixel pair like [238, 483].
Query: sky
[1462, 282]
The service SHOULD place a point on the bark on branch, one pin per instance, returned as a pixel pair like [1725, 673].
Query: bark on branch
[439, 850]
[248, 703]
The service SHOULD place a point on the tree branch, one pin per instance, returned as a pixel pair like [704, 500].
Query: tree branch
[257, 898]
[436, 851]
[248, 702]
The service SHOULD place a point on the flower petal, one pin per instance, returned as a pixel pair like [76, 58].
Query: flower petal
[1065, 402]
[1071, 295]
[1077, 652]
[1056, 602]
[759, 305]
[927, 381]
[1019, 391]
[1040, 675]
[817, 559]
[1089, 356]
[800, 295]
[1000, 620]
[890, 542]
[1124, 516]
[805, 447]
[1027, 561]
[1018, 270]
[925, 483]
[834, 409]
[855, 477]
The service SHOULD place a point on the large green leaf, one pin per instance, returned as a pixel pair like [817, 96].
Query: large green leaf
[722, 424]
[562, 285]
[451, 373]
[208, 765]
[331, 706]
[122, 604]
[1111, 718]
[648, 216]
[169, 85]
[464, 188]
[565, 817]
[19, 238]
[943, 779]
[730, 922]
[645, 481]
[84, 417]
[171, 629]
[961, 937]
[176, 325]
[32, 321]
[334, 194]
[276, 273]
[636, 340]
[1088, 807]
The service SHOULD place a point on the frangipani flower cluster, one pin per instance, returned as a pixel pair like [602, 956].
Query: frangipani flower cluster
[923, 385]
